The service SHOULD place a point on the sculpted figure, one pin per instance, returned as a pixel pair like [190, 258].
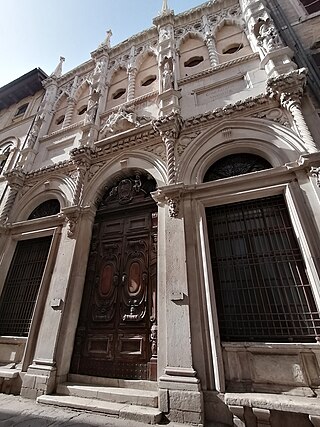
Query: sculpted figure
[268, 37]
[167, 76]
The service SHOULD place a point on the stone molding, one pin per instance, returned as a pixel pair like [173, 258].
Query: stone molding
[217, 68]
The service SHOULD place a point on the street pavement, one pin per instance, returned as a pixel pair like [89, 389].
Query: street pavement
[19, 412]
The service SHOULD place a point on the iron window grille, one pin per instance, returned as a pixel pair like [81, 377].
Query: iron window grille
[235, 164]
[47, 208]
[21, 287]
[262, 290]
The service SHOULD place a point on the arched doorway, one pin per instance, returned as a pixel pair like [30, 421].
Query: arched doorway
[116, 333]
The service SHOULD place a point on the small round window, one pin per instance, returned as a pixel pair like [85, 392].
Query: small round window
[82, 110]
[194, 61]
[148, 81]
[60, 120]
[235, 47]
[118, 94]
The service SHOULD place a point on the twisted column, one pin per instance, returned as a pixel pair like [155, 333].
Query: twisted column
[132, 73]
[293, 105]
[81, 172]
[15, 180]
[171, 161]
[69, 113]
[8, 205]
[213, 56]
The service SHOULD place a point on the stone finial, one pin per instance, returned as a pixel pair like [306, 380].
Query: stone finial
[106, 41]
[165, 8]
[58, 70]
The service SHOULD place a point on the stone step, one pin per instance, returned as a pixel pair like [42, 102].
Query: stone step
[130, 412]
[113, 382]
[110, 394]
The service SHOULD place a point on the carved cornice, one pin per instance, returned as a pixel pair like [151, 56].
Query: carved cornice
[66, 165]
[15, 178]
[169, 126]
[218, 68]
[63, 130]
[289, 85]
[243, 106]
[129, 104]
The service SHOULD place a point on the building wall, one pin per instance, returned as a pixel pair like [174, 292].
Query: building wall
[98, 123]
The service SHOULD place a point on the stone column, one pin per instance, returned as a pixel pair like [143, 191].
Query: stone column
[69, 113]
[169, 128]
[292, 103]
[15, 180]
[132, 73]
[213, 56]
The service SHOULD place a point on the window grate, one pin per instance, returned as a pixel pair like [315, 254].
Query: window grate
[261, 285]
[22, 286]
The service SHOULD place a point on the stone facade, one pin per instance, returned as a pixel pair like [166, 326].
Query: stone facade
[170, 102]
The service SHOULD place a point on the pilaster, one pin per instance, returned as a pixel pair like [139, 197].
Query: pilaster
[180, 390]
[41, 374]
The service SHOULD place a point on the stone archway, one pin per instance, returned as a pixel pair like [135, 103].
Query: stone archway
[116, 333]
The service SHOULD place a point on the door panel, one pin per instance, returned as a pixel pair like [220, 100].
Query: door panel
[119, 302]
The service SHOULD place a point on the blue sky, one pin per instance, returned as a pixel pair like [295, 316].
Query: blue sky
[34, 33]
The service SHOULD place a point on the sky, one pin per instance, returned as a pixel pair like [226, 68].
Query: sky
[35, 33]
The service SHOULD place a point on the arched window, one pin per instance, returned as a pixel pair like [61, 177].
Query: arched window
[236, 164]
[4, 154]
[47, 208]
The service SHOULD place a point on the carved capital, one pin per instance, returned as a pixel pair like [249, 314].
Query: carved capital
[15, 178]
[72, 215]
[288, 86]
[315, 171]
[170, 196]
[168, 126]
[82, 156]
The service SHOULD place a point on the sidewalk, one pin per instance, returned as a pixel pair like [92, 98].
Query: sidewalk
[16, 411]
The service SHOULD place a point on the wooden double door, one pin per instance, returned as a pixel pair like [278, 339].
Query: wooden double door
[116, 333]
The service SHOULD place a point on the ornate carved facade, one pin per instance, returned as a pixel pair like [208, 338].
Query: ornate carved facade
[174, 181]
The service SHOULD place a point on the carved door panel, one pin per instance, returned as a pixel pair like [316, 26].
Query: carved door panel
[119, 304]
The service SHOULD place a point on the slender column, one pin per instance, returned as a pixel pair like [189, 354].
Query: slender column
[15, 179]
[13, 191]
[132, 73]
[213, 56]
[81, 171]
[171, 162]
[69, 113]
[293, 105]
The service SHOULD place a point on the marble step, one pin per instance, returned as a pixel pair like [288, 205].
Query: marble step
[130, 412]
[111, 394]
[113, 382]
